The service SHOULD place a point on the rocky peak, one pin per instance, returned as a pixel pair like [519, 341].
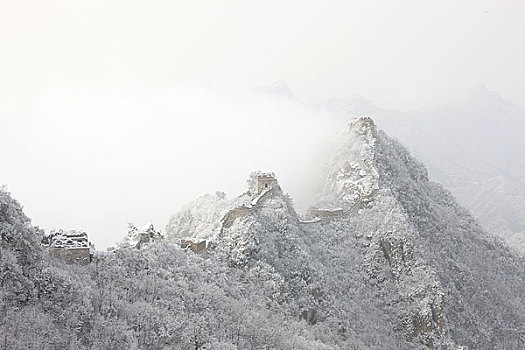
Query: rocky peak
[351, 175]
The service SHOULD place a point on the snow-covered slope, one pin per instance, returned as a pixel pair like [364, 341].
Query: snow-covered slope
[475, 148]
[482, 280]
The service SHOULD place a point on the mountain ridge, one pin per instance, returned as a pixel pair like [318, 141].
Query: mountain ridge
[395, 229]
[399, 265]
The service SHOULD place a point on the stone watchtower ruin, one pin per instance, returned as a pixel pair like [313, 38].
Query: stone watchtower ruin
[71, 246]
[265, 181]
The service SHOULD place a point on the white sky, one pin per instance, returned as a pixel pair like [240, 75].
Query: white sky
[92, 92]
[399, 54]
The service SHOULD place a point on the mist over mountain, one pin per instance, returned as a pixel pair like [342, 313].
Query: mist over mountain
[248, 175]
[278, 88]
[474, 147]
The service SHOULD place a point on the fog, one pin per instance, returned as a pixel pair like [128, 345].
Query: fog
[402, 55]
[96, 160]
[123, 111]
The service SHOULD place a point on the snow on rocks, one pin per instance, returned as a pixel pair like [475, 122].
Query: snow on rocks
[352, 176]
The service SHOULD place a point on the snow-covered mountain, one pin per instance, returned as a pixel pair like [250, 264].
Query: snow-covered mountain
[400, 254]
[386, 259]
[475, 148]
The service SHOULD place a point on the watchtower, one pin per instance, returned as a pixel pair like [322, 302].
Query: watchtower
[71, 246]
[265, 181]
